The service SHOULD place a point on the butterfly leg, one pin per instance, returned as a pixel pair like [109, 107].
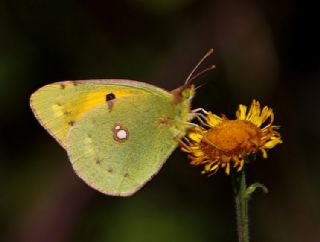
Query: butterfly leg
[184, 143]
[200, 114]
[201, 119]
[199, 110]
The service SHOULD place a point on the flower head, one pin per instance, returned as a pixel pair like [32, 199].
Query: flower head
[224, 143]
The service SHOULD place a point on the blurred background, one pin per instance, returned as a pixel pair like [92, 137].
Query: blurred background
[268, 50]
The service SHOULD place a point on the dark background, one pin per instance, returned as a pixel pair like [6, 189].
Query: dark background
[267, 50]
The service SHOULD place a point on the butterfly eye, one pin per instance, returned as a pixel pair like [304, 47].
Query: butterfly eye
[110, 96]
[186, 93]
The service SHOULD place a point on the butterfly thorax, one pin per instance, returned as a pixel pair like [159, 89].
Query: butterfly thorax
[182, 97]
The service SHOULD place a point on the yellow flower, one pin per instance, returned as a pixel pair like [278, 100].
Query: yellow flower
[224, 143]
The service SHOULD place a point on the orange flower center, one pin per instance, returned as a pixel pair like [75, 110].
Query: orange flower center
[231, 138]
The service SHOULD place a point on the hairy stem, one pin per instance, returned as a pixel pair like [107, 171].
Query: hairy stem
[241, 202]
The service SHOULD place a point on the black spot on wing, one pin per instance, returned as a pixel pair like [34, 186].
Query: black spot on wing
[110, 97]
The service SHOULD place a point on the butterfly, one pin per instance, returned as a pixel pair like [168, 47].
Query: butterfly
[117, 133]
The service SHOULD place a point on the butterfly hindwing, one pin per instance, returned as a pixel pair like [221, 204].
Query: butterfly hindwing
[117, 152]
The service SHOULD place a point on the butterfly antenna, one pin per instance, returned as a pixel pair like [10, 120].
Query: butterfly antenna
[199, 86]
[201, 72]
[190, 78]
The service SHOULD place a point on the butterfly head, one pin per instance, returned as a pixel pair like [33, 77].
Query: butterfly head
[183, 93]
[187, 91]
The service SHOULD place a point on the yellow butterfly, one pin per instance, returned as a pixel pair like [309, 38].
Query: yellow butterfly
[117, 133]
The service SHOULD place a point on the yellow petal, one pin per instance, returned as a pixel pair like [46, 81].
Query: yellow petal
[197, 153]
[236, 161]
[241, 112]
[227, 170]
[213, 119]
[196, 160]
[195, 136]
[254, 112]
[264, 153]
[272, 143]
[211, 168]
[185, 149]
[190, 148]
[241, 165]
[265, 114]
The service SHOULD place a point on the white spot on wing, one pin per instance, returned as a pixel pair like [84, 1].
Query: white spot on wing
[122, 134]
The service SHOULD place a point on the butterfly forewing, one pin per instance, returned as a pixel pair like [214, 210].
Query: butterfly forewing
[58, 106]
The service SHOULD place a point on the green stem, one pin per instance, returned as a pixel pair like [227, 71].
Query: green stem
[241, 200]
